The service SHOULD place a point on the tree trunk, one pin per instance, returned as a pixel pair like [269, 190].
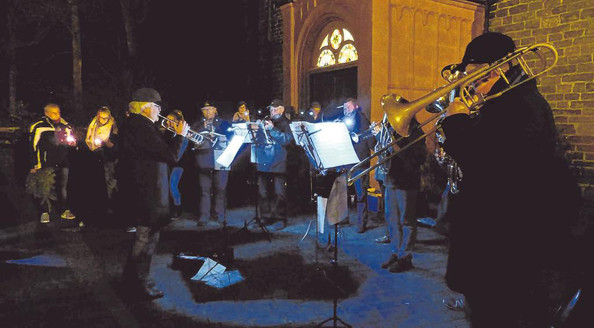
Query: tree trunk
[11, 57]
[128, 28]
[76, 57]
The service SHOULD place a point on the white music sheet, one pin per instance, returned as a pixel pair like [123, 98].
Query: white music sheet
[230, 152]
[331, 141]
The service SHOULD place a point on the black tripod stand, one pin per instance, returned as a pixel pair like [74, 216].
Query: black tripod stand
[307, 143]
[256, 219]
[334, 318]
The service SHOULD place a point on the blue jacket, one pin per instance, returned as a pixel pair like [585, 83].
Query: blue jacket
[204, 154]
[273, 157]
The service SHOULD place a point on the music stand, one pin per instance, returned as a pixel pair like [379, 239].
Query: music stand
[255, 139]
[327, 145]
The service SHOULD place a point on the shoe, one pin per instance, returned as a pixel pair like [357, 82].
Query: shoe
[393, 258]
[213, 224]
[131, 229]
[176, 213]
[454, 303]
[45, 218]
[426, 222]
[382, 240]
[67, 215]
[149, 291]
[403, 264]
[279, 225]
[361, 229]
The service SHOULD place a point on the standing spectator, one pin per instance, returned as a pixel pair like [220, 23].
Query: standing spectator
[100, 139]
[145, 154]
[212, 178]
[50, 140]
[176, 170]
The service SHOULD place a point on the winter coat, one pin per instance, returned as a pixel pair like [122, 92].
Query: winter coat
[144, 156]
[517, 199]
[273, 157]
[47, 144]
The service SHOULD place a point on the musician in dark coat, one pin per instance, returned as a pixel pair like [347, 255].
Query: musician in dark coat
[271, 156]
[358, 125]
[401, 187]
[314, 113]
[212, 178]
[517, 200]
[143, 172]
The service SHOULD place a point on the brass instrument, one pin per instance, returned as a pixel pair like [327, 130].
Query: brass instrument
[260, 125]
[453, 171]
[356, 137]
[197, 138]
[385, 138]
[400, 114]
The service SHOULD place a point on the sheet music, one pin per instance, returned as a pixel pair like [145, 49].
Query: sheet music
[230, 152]
[331, 141]
[242, 129]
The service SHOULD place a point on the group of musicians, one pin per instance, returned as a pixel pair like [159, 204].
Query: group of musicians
[513, 180]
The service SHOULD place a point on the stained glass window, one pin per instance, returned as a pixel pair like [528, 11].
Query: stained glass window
[347, 35]
[348, 53]
[325, 42]
[326, 58]
[336, 39]
[338, 44]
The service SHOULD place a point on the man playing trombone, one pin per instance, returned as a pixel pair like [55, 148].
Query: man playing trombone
[401, 187]
[517, 200]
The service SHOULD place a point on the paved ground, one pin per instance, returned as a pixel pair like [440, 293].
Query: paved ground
[56, 277]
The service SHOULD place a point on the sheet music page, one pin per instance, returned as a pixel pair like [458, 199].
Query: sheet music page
[331, 141]
[242, 129]
[230, 152]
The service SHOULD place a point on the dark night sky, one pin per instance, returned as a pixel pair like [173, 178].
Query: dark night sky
[190, 50]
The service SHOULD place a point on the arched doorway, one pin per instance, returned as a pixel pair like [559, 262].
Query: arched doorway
[333, 74]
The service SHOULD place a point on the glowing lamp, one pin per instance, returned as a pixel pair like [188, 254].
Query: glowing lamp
[349, 122]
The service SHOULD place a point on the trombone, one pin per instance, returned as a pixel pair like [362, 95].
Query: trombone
[400, 113]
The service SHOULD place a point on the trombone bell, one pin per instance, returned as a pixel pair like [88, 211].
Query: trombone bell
[398, 113]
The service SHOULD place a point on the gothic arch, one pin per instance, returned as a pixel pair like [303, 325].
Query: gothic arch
[317, 21]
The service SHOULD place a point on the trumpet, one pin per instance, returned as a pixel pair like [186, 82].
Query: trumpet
[400, 114]
[356, 137]
[260, 124]
[197, 138]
